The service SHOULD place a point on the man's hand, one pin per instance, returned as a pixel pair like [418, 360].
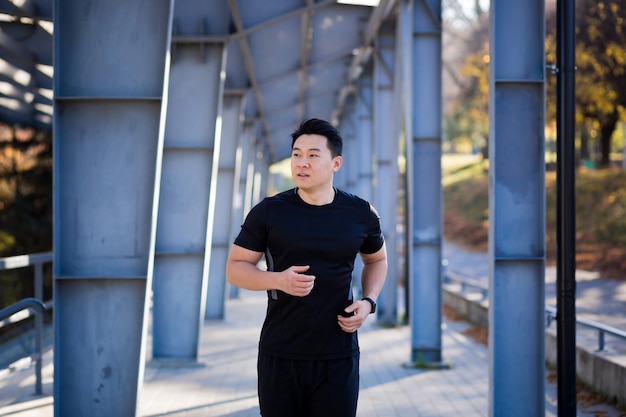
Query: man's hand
[361, 310]
[294, 282]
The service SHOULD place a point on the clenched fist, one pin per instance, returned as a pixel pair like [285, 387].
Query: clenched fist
[295, 282]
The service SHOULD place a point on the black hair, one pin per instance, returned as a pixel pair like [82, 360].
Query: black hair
[323, 128]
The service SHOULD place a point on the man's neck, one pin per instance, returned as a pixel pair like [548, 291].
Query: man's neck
[317, 198]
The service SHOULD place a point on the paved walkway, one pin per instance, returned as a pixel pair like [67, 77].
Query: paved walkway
[597, 298]
[224, 381]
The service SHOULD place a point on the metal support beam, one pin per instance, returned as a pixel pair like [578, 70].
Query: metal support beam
[222, 223]
[365, 134]
[364, 107]
[192, 144]
[404, 45]
[386, 190]
[249, 159]
[347, 177]
[261, 172]
[426, 194]
[182, 254]
[517, 209]
[108, 137]
[362, 58]
[241, 203]
[248, 62]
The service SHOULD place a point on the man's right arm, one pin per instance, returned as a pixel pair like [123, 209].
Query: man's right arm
[242, 272]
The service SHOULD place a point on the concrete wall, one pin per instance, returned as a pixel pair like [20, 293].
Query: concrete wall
[604, 372]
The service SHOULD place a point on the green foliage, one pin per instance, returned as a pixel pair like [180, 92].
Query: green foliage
[13, 283]
[466, 63]
[600, 79]
[466, 118]
[600, 70]
[600, 202]
[600, 205]
[461, 167]
[466, 192]
[7, 240]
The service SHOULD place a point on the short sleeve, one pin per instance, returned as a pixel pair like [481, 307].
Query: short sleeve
[375, 239]
[253, 233]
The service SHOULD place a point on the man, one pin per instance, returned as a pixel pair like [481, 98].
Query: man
[308, 362]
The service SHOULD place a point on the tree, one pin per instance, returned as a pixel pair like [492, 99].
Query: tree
[25, 190]
[465, 63]
[602, 39]
[25, 203]
[600, 70]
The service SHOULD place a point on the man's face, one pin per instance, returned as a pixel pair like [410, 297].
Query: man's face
[312, 165]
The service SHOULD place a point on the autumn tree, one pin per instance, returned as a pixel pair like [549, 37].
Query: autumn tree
[25, 191]
[600, 71]
[25, 203]
[466, 63]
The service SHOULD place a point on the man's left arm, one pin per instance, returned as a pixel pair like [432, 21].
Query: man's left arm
[374, 273]
[372, 279]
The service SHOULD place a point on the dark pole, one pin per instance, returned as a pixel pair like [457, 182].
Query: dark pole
[566, 213]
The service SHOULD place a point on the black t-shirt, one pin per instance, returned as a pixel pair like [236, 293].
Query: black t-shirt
[328, 238]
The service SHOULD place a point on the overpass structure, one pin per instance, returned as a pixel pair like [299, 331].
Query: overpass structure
[166, 115]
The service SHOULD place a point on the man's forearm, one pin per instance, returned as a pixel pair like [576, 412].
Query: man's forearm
[373, 278]
[244, 275]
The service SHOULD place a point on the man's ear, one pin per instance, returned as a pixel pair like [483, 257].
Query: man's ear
[337, 161]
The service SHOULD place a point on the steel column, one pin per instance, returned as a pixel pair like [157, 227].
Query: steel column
[191, 150]
[109, 94]
[350, 168]
[347, 176]
[386, 191]
[248, 158]
[351, 123]
[425, 286]
[242, 188]
[364, 109]
[261, 172]
[404, 45]
[365, 134]
[222, 223]
[517, 209]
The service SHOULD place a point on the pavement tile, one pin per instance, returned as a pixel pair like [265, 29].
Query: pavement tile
[223, 382]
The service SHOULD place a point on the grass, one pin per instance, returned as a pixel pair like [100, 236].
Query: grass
[600, 213]
[458, 168]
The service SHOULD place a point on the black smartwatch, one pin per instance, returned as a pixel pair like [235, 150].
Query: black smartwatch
[372, 302]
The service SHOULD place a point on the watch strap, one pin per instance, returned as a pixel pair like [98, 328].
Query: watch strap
[372, 303]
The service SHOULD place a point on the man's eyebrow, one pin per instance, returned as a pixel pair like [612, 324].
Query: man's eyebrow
[312, 149]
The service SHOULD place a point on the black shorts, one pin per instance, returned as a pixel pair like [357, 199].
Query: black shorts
[307, 388]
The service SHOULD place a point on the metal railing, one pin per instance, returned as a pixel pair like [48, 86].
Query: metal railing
[40, 310]
[465, 282]
[21, 310]
[551, 312]
[600, 328]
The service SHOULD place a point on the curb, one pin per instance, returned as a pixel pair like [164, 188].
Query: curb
[604, 372]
